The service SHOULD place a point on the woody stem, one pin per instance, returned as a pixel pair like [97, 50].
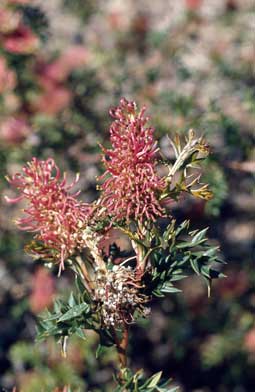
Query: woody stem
[122, 348]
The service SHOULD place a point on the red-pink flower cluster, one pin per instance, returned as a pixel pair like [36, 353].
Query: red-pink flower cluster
[43, 290]
[53, 212]
[52, 100]
[55, 96]
[14, 130]
[193, 5]
[249, 341]
[72, 58]
[131, 182]
[21, 41]
[15, 36]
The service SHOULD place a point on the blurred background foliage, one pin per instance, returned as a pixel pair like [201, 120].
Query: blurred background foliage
[63, 63]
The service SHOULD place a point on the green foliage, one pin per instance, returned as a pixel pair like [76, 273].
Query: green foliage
[34, 17]
[179, 104]
[82, 8]
[67, 318]
[177, 251]
[218, 348]
[214, 176]
[136, 383]
[61, 373]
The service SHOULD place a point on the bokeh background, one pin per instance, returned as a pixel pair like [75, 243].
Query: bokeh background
[63, 63]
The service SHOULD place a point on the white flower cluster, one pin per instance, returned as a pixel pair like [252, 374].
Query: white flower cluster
[118, 295]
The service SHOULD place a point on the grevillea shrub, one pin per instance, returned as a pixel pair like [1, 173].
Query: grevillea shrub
[137, 191]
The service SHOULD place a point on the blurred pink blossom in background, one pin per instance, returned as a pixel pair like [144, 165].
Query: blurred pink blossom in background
[14, 130]
[193, 4]
[53, 100]
[249, 341]
[58, 70]
[43, 290]
[21, 41]
[52, 76]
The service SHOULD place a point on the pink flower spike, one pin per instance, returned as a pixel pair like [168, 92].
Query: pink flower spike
[131, 183]
[53, 213]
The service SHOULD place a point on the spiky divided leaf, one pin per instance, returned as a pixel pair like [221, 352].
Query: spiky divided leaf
[74, 311]
[179, 251]
[67, 318]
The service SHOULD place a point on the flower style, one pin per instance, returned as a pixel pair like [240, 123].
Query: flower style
[130, 191]
[53, 212]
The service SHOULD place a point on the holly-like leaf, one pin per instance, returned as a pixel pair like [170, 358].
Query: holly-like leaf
[75, 311]
[66, 319]
[180, 252]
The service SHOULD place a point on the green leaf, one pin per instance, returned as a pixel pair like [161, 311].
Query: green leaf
[194, 265]
[183, 244]
[98, 351]
[57, 306]
[172, 260]
[205, 271]
[153, 381]
[175, 278]
[168, 390]
[199, 237]
[76, 311]
[157, 293]
[80, 333]
[169, 288]
[211, 251]
[71, 300]
[181, 227]
[54, 316]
